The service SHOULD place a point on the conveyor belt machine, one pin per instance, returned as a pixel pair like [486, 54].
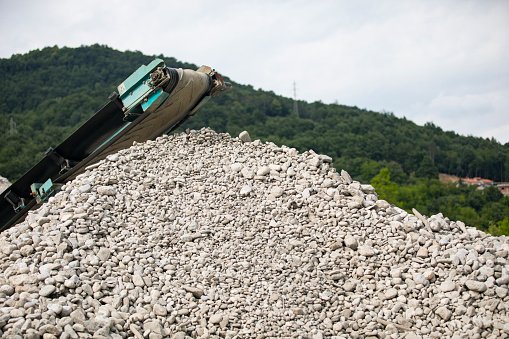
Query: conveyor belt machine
[154, 100]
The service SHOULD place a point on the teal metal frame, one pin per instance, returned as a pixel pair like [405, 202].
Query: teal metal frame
[138, 93]
[42, 192]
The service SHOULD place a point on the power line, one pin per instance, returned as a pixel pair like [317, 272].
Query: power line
[295, 105]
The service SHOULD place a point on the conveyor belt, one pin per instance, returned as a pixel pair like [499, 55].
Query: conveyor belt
[143, 111]
[77, 147]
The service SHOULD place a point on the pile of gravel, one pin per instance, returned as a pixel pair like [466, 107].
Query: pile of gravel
[204, 235]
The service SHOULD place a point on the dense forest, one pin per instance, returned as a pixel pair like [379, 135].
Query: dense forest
[46, 94]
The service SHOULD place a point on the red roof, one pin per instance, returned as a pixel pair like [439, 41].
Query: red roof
[483, 180]
[471, 181]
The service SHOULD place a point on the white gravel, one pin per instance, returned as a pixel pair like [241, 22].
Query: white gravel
[4, 184]
[204, 235]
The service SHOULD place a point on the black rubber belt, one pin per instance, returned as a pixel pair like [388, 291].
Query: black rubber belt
[173, 81]
[78, 146]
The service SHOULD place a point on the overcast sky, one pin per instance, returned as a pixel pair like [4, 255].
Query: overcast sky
[441, 61]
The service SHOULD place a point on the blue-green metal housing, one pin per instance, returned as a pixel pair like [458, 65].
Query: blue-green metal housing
[137, 93]
[42, 192]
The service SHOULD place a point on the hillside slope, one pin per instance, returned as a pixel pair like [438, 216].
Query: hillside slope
[50, 92]
[46, 94]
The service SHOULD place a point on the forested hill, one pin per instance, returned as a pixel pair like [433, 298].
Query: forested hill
[46, 94]
[50, 92]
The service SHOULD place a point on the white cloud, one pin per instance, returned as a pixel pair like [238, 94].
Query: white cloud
[483, 115]
[436, 59]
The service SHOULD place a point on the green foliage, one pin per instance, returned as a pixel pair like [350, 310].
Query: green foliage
[51, 92]
[383, 185]
[427, 169]
[485, 209]
[48, 93]
[502, 227]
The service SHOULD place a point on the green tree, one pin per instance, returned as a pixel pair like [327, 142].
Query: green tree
[383, 185]
[504, 226]
[427, 169]
[275, 107]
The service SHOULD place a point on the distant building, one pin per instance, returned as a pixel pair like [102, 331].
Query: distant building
[478, 181]
[504, 188]
[482, 183]
[469, 181]
[485, 182]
